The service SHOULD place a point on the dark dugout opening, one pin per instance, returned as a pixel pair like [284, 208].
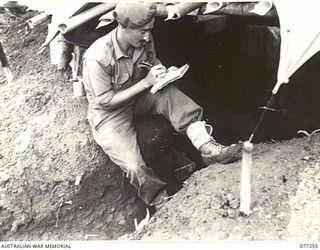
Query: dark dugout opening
[233, 66]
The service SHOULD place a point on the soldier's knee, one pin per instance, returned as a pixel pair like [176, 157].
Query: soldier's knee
[167, 92]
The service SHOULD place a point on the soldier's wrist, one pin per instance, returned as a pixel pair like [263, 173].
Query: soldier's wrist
[145, 83]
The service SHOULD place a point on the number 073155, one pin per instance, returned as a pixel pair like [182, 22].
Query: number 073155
[309, 246]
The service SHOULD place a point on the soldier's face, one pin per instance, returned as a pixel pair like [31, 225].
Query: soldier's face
[140, 36]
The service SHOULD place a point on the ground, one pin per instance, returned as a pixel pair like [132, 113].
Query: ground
[54, 183]
[285, 199]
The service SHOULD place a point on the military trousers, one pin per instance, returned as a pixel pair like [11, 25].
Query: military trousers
[118, 137]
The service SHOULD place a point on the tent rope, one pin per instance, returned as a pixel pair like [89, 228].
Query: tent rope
[261, 118]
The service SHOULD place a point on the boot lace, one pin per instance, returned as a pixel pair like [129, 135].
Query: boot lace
[213, 142]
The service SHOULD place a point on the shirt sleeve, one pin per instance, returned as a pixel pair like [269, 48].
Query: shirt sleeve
[97, 81]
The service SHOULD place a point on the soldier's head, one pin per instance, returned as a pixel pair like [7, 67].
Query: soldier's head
[136, 21]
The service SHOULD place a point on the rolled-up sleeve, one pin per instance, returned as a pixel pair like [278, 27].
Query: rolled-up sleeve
[97, 81]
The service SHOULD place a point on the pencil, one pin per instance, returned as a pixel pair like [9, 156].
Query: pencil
[148, 65]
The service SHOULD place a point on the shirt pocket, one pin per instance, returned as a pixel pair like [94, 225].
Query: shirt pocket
[120, 80]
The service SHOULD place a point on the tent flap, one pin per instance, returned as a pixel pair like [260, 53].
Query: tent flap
[300, 36]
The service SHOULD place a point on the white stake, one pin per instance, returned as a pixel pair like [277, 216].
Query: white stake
[245, 188]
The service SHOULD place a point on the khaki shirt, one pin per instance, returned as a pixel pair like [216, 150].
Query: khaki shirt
[107, 70]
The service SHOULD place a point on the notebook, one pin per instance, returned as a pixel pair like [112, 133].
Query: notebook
[170, 77]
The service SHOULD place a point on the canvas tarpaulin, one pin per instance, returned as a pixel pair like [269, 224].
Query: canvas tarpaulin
[300, 35]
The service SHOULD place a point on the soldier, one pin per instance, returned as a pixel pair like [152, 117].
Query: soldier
[117, 87]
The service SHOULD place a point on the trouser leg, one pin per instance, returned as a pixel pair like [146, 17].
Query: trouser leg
[119, 142]
[173, 104]
[185, 115]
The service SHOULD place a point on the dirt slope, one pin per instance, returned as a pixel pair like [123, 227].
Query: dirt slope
[285, 199]
[46, 145]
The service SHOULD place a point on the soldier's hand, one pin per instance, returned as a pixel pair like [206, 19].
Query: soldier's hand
[155, 74]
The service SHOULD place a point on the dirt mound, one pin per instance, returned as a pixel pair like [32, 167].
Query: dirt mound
[285, 200]
[53, 176]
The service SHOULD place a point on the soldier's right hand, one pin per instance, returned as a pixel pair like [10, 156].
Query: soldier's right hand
[155, 74]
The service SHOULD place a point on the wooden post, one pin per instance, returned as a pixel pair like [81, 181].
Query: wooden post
[64, 53]
[76, 61]
[229, 9]
[37, 20]
[76, 21]
[78, 87]
[181, 9]
[3, 58]
[243, 9]
[245, 188]
[5, 65]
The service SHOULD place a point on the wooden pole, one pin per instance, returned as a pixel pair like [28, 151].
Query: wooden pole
[243, 9]
[37, 20]
[5, 64]
[178, 10]
[76, 21]
[245, 188]
[229, 9]
[3, 58]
